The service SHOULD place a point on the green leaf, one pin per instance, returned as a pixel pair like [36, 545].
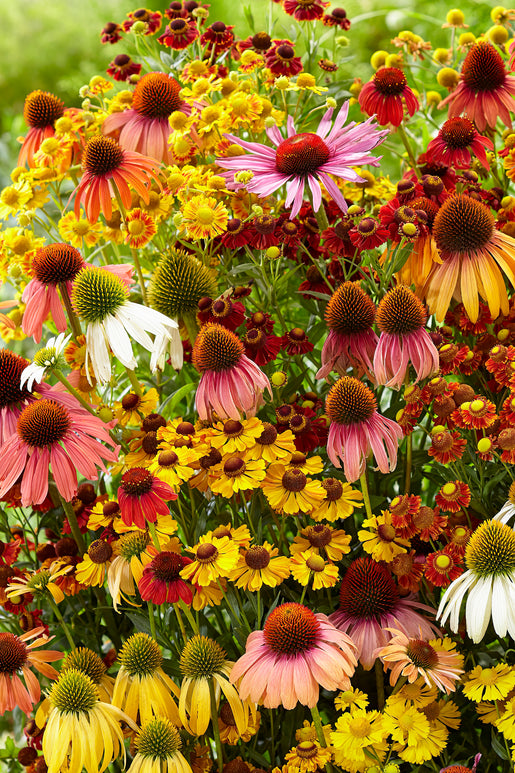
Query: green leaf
[177, 396]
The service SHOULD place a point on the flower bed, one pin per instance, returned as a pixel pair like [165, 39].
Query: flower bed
[257, 405]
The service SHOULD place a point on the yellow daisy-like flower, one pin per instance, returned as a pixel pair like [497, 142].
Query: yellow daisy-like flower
[406, 724]
[272, 446]
[380, 539]
[236, 474]
[81, 730]
[133, 407]
[419, 693]
[240, 535]
[39, 584]
[235, 437]
[203, 217]
[307, 756]
[339, 501]
[356, 730]
[141, 228]
[242, 109]
[443, 713]
[290, 491]
[488, 684]
[79, 231]
[425, 748]
[310, 566]
[351, 699]
[126, 569]
[92, 570]
[308, 465]
[308, 732]
[172, 465]
[210, 595]
[227, 724]
[142, 689]
[204, 667]
[213, 558]
[103, 514]
[506, 722]
[333, 543]
[14, 198]
[489, 713]
[260, 565]
[183, 433]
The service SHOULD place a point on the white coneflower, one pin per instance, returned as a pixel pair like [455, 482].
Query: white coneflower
[489, 582]
[48, 357]
[100, 297]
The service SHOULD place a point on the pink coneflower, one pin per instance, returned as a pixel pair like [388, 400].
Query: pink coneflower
[485, 91]
[351, 342]
[53, 431]
[295, 654]
[142, 497]
[357, 429]
[144, 128]
[412, 657]
[16, 659]
[40, 111]
[306, 159]
[401, 318]
[231, 384]
[387, 95]
[458, 143]
[109, 168]
[13, 398]
[53, 266]
[370, 602]
[161, 581]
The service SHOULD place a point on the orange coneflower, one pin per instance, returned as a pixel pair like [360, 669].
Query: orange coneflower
[41, 111]
[16, 658]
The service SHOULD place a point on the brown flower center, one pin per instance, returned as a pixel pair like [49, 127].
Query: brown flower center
[368, 590]
[463, 225]
[301, 154]
[100, 551]
[268, 436]
[56, 263]
[206, 553]
[291, 628]
[422, 654]
[349, 310]
[350, 402]
[400, 312]
[13, 653]
[257, 557]
[390, 81]
[42, 109]
[457, 133]
[43, 423]
[156, 95]
[137, 482]
[333, 489]
[166, 566]
[483, 68]
[11, 368]
[101, 156]
[294, 480]
[234, 466]
[216, 348]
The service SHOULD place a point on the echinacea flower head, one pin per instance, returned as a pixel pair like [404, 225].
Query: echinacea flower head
[158, 745]
[295, 654]
[81, 730]
[53, 267]
[489, 582]
[100, 299]
[88, 662]
[414, 657]
[179, 282]
[485, 91]
[40, 112]
[142, 497]
[458, 144]
[13, 396]
[387, 96]
[17, 657]
[56, 433]
[144, 128]
[108, 170]
[231, 384]
[351, 342]
[357, 428]
[306, 159]
[203, 662]
[51, 356]
[472, 251]
[401, 318]
[370, 603]
[142, 688]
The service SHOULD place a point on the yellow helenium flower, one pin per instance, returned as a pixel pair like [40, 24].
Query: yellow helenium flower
[309, 565]
[426, 747]
[290, 491]
[227, 725]
[506, 723]
[260, 565]
[380, 539]
[142, 688]
[307, 756]
[443, 713]
[79, 231]
[405, 723]
[339, 501]
[134, 407]
[235, 474]
[235, 437]
[271, 445]
[356, 730]
[488, 684]
[213, 558]
[308, 465]
[203, 217]
[92, 570]
[352, 698]
[172, 465]
[333, 543]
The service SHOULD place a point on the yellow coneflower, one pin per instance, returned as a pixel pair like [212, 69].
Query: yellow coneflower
[308, 465]
[142, 687]
[258, 565]
[39, 584]
[88, 662]
[206, 671]
[81, 730]
[131, 555]
[158, 746]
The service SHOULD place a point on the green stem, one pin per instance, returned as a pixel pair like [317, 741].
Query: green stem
[134, 381]
[321, 217]
[153, 533]
[216, 729]
[152, 620]
[189, 616]
[379, 684]
[191, 325]
[409, 150]
[140, 276]
[74, 525]
[181, 623]
[71, 389]
[74, 320]
[366, 497]
[317, 721]
[63, 625]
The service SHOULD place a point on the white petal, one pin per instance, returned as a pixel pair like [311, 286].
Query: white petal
[502, 597]
[452, 599]
[129, 316]
[119, 341]
[97, 350]
[506, 512]
[479, 608]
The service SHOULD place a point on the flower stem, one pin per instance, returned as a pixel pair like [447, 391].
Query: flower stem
[379, 684]
[134, 381]
[317, 721]
[153, 534]
[74, 320]
[152, 620]
[190, 323]
[63, 625]
[74, 525]
[409, 149]
[190, 618]
[140, 276]
[216, 729]
[181, 622]
[366, 497]
[71, 389]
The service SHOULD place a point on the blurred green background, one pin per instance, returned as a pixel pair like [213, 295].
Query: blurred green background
[56, 45]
